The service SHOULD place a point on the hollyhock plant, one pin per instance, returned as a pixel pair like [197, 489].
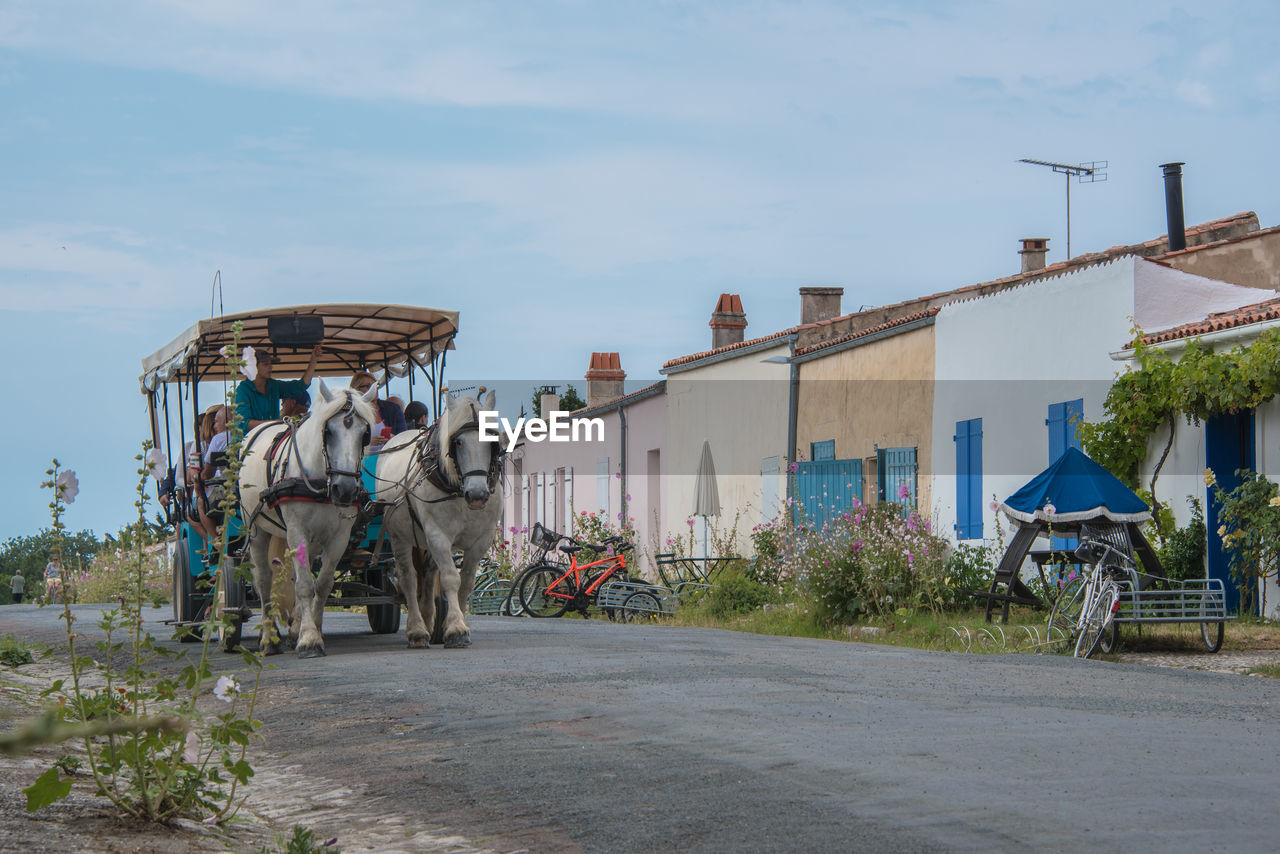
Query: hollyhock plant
[68, 486]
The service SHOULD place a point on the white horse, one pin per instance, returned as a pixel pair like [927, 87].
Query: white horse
[303, 484]
[442, 490]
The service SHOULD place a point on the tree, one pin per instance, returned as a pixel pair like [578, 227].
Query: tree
[27, 556]
[569, 401]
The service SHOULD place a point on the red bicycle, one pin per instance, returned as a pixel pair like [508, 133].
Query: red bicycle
[550, 591]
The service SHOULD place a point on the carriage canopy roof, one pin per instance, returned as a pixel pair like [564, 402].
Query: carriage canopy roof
[357, 336]
[1079, 490]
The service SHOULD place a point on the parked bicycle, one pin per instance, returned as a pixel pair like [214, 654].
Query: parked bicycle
[543, 541]
[1088, 614]
[549, 591]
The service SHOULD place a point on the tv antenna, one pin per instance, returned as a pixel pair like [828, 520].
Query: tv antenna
[1085, 173]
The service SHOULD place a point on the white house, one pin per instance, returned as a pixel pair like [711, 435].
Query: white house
[1017, 369]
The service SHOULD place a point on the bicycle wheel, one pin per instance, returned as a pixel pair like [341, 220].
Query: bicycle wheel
[536, 600]
[641, 607]
[1098, 621]
[1065, 613]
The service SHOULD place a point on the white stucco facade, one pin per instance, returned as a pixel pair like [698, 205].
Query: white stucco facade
[1007, 357]
[738, 403]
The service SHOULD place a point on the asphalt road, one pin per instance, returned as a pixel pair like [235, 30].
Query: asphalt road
[563, 735]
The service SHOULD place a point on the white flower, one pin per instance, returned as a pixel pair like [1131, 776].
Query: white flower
[67, 486]
[1049, 509]
[226, 689]
[157, 463]
[250, 366]
[191, 748]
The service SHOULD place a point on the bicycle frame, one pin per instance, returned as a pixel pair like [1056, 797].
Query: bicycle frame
[617, 562]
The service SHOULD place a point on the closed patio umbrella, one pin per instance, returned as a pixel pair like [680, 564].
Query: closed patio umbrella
[707, 493]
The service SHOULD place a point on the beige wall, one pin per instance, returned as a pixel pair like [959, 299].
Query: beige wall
[1253, 261]
[880, 393]
[740, 406]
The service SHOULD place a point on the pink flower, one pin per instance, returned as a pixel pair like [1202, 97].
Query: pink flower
[903, 491]
[301, 553]
[994, 506]
[1049, 509]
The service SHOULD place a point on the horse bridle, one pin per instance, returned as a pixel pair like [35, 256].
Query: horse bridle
[349, 415]
[434, 471]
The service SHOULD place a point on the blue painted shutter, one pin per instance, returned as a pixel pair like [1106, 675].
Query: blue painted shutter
[896, 467]
[968, 439]
[822, 451]
[1062, 421]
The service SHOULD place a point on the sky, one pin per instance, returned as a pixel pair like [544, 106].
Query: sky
[570, 176]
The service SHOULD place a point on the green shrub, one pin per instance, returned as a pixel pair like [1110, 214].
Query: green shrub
[14, 653]
[969, 568]
[1182, 554]
[734, 593]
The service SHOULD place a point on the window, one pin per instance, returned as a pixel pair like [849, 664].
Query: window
[968, 439]
[1062, 421]
[820, 451]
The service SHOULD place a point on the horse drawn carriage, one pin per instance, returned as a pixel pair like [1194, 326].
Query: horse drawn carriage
[289, 505]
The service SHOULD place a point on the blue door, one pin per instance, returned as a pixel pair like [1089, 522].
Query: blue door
[896, 476]
[1229, 444]
[827, 488]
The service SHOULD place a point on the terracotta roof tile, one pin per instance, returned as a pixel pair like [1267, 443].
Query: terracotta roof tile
[693, 357]
[871, 330]
[1256, 313]
[659, 386]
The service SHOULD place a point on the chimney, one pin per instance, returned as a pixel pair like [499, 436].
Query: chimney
[548, 401]
[819, 304]
[1033, 252]
[1173, 205]
[604, 378]
[728, 322]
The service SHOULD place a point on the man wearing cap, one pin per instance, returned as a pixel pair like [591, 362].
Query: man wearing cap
[259, 401]
[391, 416]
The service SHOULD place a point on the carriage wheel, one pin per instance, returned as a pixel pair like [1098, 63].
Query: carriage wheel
[533, 592]
[185, 609]
[383, 619]
[231, 606]
[641, 607]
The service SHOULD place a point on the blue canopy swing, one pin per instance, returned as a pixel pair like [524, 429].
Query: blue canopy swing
[1074, 491]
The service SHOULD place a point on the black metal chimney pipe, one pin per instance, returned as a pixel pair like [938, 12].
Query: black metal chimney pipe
[1173, 205]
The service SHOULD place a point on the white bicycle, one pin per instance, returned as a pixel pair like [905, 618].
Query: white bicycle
[1088, 612]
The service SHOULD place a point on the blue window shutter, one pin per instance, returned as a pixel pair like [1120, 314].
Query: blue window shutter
[1073, 414]
[822, 451]
[1062, 421]
[968, 439]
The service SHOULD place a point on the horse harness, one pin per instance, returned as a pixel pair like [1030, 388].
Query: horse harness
[433, 470]
[316, 490]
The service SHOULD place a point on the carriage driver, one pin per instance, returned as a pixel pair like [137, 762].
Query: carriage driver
[391, 416]
[259, 400]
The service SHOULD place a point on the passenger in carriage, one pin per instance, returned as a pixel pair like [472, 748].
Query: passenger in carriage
[259, 401]
[391, 417]
[207, 497]
[415, 414]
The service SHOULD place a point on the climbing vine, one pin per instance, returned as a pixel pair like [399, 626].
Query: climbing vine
[1197, 386]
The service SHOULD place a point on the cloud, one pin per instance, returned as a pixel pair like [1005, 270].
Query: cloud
[1196, 93]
